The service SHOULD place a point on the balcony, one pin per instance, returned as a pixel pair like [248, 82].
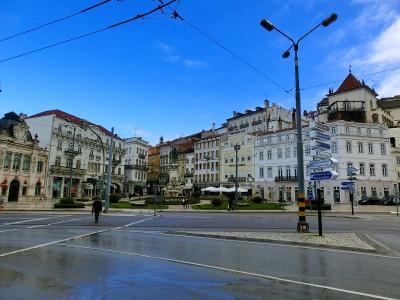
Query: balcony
[244, 125]
[352, 111]
[142, 156]
[137, 167]
[255, 123]
[117, 177]
[240, 179]
[232, 128]
[189, 174]
[65, 170]
[285, 178]
[69, 152]
[116, 162]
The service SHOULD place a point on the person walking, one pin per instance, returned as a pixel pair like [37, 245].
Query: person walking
[96, 209]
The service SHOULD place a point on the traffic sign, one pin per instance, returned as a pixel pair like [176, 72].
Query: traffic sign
[318, 126]
[352, 169]
[320, 164]
[319, 135]
[310, 195]
[347, 183]
[320, 145]
[347, 188]
[325, 175]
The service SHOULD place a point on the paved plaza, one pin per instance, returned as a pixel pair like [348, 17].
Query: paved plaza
[128, 256]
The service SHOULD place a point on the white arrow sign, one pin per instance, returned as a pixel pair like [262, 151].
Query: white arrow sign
[320, 164]
[318, 126]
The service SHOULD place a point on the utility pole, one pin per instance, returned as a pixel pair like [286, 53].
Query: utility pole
[236, 148]
[110, 156]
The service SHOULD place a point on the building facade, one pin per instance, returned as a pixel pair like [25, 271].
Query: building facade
[207, 160]
[136, 165]
[153, 173]
[23, 163]
[80, 147]
[245, 160]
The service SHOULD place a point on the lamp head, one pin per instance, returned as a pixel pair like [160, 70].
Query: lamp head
[267, 25]
[286, 54]
[329, 20]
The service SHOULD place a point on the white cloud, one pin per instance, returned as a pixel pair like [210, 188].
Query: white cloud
[171, 56]
[390, 86]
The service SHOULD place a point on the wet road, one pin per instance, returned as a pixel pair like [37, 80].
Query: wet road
[47, 256]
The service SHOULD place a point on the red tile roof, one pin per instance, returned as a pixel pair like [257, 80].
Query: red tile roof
[352, 83]
[63, 115]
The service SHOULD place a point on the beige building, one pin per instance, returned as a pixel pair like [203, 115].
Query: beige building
[23, 165]
[245, 160]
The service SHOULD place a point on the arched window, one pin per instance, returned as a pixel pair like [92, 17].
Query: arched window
[38, 187]
[392, 142]
[375, 118]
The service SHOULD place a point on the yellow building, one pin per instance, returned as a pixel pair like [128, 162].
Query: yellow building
[245, 157]
[153, 173]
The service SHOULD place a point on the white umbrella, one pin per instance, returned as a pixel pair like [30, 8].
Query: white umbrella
[240, 190]
[223, 189]
[210, 189]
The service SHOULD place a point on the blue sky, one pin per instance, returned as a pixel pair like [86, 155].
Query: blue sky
[164, 78]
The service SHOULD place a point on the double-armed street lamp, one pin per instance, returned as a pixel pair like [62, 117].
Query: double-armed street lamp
[302, 225]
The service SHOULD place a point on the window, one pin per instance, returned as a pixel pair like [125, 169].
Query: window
[59, 145]
[7, 160]
[280, 172]
[383, 149]
[80, 149]
[334, 147]
[368, 131]
[38, 187]
[78, 164]
[287, 152]
[279, 138]
[373, 192]
[269, 172]
[348, 147]
[363, 191]
[347, 129]
[362, 169]
[26, 163]
[279, 153]
[261, 155]
[384, 170]
[59, 128]
[39, 166]
[358, 130]
[333, 130]
[360, 148]
[398, 160]
[17, 162]
[269, 154]
[370, 148]
[58, 161]
[69, 162]
[372, 169]
[261, 172]
[248, 158]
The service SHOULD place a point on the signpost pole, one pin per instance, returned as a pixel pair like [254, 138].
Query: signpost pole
[319, 212]
[352, 202]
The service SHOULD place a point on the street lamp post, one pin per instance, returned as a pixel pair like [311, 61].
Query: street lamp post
[302, 225]
[236, 148]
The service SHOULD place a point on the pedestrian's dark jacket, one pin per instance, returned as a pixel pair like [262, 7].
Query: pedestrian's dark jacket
[96, 206]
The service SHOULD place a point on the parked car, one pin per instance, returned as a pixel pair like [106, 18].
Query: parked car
[389, 200]
[370, 201]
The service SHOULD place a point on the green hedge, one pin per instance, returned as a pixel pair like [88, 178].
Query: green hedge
[114, 198]
[172, 201]
[323, 206]
[69, 205]
[217, 202]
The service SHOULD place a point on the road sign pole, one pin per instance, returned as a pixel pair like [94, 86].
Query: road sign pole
[352, 202]
[319, 212]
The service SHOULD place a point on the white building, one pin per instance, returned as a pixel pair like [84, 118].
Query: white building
[83, 145]
[136, 165]
[207, 160]
[267, 118]
[189, 171]
[361, 145]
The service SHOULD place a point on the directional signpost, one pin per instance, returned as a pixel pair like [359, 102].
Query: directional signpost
[319, 144]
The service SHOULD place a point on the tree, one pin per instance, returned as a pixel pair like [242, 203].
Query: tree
[161, 140]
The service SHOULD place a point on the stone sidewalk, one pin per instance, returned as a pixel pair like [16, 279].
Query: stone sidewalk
[346, 241]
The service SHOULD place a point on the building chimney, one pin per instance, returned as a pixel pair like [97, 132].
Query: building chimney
[213, 126]
[266, 103]
[279, 123]
[234, 113]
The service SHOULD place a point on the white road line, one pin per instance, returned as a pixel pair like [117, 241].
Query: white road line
[33, 220]
[382, 245]
[7, 230]
[43, 225]
[67, 239]
[236, 271]
[265, 243]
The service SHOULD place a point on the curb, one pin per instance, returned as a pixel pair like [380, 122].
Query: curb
[276, 241]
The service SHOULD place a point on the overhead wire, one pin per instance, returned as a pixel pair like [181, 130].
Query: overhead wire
[139, 16]
[55, 21]
[177, 16]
